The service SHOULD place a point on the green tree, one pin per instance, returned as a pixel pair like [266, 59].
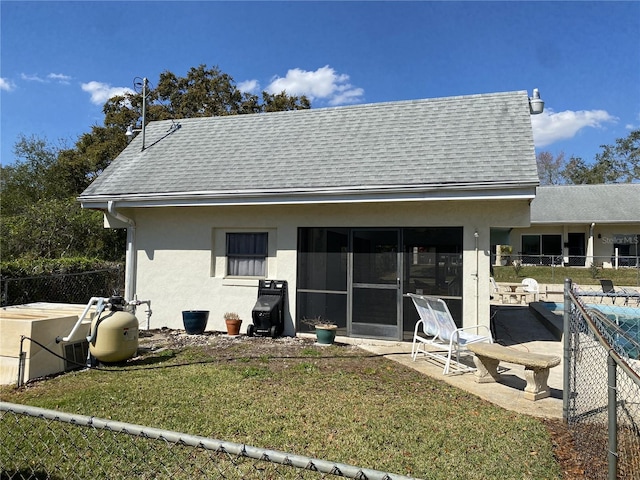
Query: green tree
[203, 92]
[621, 162]
[58, 228]
[93, 152]
[279, 102]
[577, 172]
[40, 215]
[32, 177]
[618, 163]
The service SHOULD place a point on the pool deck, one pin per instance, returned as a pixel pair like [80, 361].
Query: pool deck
[520, 327]
[515, 326]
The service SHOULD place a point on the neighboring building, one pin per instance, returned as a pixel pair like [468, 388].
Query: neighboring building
[581, 225]
[354, 207]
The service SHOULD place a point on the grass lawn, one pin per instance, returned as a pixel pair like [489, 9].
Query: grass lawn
[337, 403]
[581, 276]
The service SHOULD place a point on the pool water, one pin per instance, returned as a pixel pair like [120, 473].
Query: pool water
[555, 307]
[627, 318]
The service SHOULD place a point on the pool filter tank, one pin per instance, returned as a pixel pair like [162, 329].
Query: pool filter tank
[114, 333]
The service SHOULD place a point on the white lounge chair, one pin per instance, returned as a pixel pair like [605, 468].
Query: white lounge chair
[437, 336]
[530, 285]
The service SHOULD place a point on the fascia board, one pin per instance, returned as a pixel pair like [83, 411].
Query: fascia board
[587, 222]
[200, 199]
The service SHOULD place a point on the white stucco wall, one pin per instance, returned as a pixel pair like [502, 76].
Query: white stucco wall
[181, 264]
[599, 239]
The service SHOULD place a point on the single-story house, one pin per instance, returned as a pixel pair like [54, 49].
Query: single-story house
[581, 225]
[353, 206]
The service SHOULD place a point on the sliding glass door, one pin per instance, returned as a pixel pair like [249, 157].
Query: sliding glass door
[358, 278]
[375, 287]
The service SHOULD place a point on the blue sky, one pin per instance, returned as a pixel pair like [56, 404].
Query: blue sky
[60, 61]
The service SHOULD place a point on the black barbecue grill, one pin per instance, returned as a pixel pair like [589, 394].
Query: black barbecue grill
[268, 312]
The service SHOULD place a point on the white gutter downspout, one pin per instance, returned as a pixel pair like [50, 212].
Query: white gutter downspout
[130, 259]
[477, 276]
[590, 242]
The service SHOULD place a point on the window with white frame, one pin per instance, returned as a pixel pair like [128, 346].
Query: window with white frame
[247, 254]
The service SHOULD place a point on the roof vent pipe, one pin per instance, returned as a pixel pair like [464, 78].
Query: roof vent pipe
[536, 104]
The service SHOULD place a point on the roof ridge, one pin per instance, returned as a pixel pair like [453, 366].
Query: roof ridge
[358, 106]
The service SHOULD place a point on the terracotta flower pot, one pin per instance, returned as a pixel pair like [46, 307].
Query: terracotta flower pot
[233, 327]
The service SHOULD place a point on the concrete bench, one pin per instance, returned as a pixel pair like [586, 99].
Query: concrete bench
[517, 296]
[536, 367]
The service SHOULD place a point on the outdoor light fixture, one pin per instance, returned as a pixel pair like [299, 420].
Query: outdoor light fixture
[536, 104]
[131, 132]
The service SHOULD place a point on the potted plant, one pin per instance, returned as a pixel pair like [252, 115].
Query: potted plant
[505, 253]
[325, 329]
[232, 319]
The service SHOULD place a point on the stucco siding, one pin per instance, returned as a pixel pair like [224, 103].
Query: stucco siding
[181, 264]
[601, 238]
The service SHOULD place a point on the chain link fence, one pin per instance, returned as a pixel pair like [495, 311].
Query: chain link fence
[602, 379]
[613, 261]
[596, 265]
[600, 261]
[36, 443]
[61, 288]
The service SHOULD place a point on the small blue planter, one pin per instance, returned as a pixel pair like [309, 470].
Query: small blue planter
[195, 321]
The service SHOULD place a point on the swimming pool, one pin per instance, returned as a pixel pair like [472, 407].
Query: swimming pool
[626, 318]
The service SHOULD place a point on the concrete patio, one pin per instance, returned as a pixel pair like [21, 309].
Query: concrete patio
[514, 326]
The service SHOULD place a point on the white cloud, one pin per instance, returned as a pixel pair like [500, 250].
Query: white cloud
[6, 84]
[550, 127]
[32, 77]
[101, 92]
[55, 77]
[347, 95]
[59, 77]
[323, 84]
[249, 86]
[633, 126]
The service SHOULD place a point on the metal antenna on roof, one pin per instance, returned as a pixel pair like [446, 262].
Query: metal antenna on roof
[174, 126]
[138, 84]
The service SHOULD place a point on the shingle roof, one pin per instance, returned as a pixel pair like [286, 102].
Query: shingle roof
[482, 141]
[603, 203]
